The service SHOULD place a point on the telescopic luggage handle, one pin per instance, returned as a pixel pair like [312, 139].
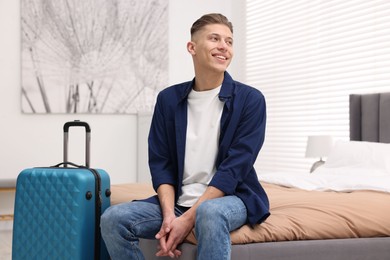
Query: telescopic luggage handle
[77, 123]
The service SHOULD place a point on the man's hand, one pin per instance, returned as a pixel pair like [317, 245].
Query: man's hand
[166, 195]
[178, 230]
[162, 235]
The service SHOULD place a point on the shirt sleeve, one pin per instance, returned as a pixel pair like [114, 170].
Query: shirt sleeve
[160, 162]
[247, 128]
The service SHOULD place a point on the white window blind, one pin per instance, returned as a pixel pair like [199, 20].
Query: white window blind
[307, 57]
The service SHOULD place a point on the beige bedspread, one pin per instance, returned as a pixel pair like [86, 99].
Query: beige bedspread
[301, 215]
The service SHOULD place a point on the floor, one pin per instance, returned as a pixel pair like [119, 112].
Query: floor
[5, 244]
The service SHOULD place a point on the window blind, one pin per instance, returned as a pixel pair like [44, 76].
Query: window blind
[307, 57]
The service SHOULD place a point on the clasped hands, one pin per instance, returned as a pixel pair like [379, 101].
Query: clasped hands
[172, 233]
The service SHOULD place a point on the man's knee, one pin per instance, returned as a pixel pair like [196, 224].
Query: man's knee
[209, 213]
[109, 220]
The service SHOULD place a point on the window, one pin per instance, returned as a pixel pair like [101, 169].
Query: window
[307, 57]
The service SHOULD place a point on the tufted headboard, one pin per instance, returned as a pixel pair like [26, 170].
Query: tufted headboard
[369, 117]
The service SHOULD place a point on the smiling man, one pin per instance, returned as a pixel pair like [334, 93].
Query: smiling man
[203, 141]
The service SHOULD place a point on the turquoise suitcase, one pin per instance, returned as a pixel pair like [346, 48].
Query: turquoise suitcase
[58, 209]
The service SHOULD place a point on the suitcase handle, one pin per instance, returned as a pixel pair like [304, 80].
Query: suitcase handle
[67, 125]
[77, 123]
[66, 163]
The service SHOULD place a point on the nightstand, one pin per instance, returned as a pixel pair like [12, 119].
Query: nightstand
[7, 193]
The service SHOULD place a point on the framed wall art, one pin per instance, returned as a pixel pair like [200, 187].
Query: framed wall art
[93, 56]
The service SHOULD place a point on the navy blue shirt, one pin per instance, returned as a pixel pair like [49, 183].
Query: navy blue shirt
[242, 133]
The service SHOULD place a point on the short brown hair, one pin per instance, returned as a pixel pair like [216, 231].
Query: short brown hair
[213, 18]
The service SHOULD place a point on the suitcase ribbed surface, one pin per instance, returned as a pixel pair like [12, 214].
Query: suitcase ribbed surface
[50, 214]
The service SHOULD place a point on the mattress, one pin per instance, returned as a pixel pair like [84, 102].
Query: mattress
[298, 214]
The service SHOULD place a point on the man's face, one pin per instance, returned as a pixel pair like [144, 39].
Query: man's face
[212, 47]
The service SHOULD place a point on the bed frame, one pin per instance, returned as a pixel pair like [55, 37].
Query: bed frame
[369, 117]
[369, 121]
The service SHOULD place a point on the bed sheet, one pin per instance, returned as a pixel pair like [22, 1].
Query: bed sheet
[298, 214]
[342, 179]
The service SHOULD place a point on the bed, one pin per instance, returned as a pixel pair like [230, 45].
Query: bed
[341, 211]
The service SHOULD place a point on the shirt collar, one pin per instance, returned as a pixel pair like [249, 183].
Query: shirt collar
[226, 92]
[227, 87]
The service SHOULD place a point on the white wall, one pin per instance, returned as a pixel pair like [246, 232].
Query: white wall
[36, 140]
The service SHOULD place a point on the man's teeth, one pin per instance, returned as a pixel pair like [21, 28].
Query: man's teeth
[220, 57]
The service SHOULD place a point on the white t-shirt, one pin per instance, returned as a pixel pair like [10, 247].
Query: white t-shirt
[203, 127]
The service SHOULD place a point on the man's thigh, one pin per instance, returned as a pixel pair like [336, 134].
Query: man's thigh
[142, 219]
[230, 209]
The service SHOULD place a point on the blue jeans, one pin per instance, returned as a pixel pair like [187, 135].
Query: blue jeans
[122, 225]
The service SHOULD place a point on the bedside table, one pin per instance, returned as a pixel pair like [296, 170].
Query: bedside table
[7, 190]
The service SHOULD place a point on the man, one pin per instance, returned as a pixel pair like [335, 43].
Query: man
[203, 142]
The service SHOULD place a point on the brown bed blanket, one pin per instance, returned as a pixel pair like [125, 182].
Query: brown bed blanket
[300, 215]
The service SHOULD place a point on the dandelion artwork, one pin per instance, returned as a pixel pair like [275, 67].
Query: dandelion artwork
[93, 56]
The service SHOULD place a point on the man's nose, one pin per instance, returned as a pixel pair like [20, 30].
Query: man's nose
[222, 45]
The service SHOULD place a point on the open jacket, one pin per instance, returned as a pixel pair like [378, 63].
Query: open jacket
[242, 132]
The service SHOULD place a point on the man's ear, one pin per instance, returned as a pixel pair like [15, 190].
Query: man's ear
[191, 48]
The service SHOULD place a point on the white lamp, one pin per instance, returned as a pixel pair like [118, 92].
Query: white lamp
[318, 146]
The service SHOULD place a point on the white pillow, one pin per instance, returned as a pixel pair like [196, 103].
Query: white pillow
[360, 155]
[350, 171]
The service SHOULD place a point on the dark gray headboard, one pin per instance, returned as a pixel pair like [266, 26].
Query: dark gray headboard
[369, 117]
